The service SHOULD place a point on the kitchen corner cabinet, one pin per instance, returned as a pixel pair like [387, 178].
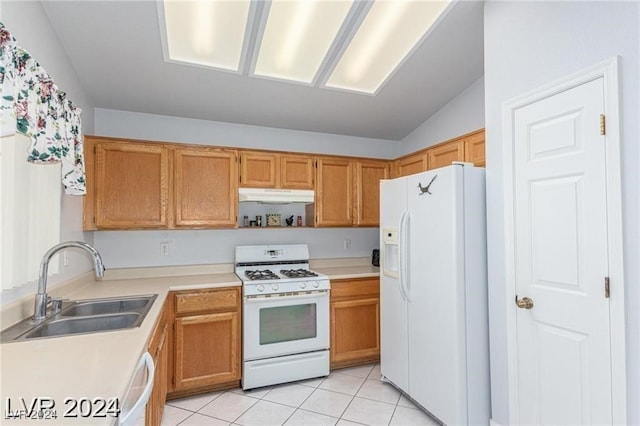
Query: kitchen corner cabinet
[159, 350]
[334, 192]
[205, 187]
[474, 149]
[355, 321]
[147, 185]
[367, 191]
[408, 165]
[206, 339]
[444, 154]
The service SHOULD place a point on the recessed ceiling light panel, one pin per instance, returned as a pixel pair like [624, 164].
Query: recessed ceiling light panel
[386, 36]
[206, 32]
[297, 36]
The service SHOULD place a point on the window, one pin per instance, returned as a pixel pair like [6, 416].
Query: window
[30, 205]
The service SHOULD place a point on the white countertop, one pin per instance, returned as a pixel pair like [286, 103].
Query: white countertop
[100, 365]
[97, 365]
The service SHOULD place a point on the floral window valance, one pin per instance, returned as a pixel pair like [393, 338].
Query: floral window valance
[32, 104]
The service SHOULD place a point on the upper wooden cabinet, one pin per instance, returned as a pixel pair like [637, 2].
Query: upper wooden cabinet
[444, 154]
[367, 191]
[258, 169]
[261, 169]
[131, 182]
[205, 187]
[334, 192]
[296, 172]
[133, 185]
[414, 163]
[474, 149]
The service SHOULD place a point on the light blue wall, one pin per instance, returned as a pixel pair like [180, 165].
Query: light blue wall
[463, 114]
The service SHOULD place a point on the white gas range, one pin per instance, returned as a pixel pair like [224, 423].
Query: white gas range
[285, 315]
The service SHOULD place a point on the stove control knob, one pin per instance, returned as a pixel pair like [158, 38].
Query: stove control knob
[316, 284]
[260, 287]
[303, 285]
[274, 287]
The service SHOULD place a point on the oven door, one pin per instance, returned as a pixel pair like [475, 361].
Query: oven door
[285, 324]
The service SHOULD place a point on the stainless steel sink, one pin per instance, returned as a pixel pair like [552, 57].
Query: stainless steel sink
[89, 324]
[101, 307]
[84, 316]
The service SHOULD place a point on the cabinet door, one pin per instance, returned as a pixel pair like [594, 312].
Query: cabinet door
[207, 350]
[334, 192]
[443, 155]
[132, 185]
[355, 321]
[258, 169]
[205, 187]
[296, 172]
[368, 176]
[474, 149]
[158, 397]
[412, 164]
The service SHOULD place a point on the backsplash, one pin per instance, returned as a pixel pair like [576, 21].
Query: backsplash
[126, 249]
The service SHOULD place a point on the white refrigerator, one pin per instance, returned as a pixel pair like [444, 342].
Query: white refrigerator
[434, 321]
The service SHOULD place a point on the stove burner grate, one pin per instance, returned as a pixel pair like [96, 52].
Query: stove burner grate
[298, 273]
[261, 274]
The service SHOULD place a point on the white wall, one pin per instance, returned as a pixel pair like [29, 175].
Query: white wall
[463, 114]
[28, 23]
[187, 130]
[527, 45]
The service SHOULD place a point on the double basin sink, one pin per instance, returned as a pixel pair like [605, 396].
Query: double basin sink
[84, 316]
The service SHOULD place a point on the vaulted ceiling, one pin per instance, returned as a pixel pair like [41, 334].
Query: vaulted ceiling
[116, 50]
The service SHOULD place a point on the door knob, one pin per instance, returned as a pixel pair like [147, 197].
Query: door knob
[524, 303]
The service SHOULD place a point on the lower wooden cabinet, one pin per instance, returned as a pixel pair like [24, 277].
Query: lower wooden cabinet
[207, 333]
[355, 321]
[159, 350]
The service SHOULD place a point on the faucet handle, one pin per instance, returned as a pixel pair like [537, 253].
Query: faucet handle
[56, 304]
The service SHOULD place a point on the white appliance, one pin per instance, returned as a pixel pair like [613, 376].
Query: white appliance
[434, 321]
[285, 312]
[276, 195]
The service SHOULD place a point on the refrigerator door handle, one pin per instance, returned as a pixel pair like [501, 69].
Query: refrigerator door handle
[407, 258]
[401, 256]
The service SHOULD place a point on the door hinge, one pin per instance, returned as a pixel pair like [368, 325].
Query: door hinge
[603, 125]
[606, 287]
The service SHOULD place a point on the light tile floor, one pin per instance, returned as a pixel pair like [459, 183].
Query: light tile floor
[350, 396]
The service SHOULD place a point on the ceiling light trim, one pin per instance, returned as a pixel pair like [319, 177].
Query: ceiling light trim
[254, 10]
[434, 25]
[272, 40]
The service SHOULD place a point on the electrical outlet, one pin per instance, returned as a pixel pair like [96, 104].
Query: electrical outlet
[347, 244]
[65, 260]
[164, 249]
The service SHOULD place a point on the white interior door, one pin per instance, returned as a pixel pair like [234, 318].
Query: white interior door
[561, 259]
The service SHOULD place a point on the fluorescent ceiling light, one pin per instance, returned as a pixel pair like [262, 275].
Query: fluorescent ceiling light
[298, 36]
[206, 32]
[386, 36]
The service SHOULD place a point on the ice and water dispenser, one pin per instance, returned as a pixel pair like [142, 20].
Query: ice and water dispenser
[390, 254]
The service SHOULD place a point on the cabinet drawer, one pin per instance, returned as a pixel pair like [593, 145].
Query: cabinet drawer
[355, 288]
[226, 299]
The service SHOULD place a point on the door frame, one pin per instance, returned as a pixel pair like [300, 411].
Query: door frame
[608, 70]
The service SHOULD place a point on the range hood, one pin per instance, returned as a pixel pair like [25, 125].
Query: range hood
[276, 196]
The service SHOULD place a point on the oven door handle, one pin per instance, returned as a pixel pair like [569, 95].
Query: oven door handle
[260, 299]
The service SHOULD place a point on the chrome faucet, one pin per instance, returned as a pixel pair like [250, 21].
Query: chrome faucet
[40, 308]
